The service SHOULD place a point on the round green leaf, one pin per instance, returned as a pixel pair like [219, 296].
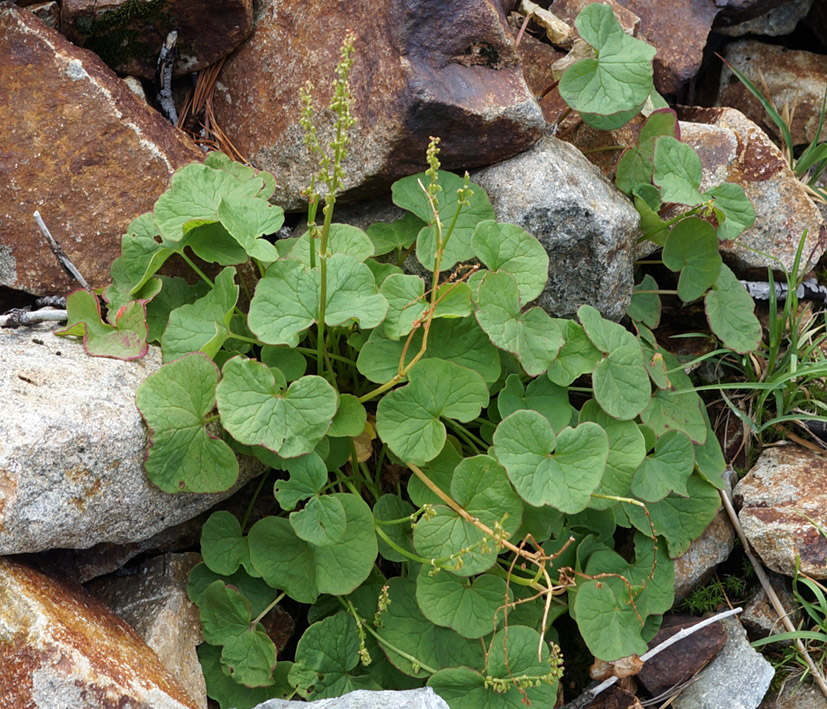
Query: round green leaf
[666, 469]
[308, 475]
[577, 355]
[351, 293]
[679, 519]
[350, 418]
[184, 456]
[223, 546]
[731, 313]
[341, 239]
[304, 570]
[608, 621]
[619, 79]
[513, 657]
[511, 249]
[322, 522]
[621, 382]
[255, 410]
[473, 609]
[405, 628]
[533, 336]
[692, 248]
[407, 419]
[290, 362]
[326, 654]
[285, 303]
[540, 395]
[408, 194]
[405, 296]
[248, 218]
[560, 471]
[480, 486]
[678, 171]
[627, 449]
[458, 340]
[203, 324]
[249, 655]
[734, 210]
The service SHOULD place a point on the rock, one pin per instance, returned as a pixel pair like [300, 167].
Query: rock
[760, 619]
[585, 224]
[685, 658]
[795, 695]
[568, 10]
[536, 58]
[785, 486]
[697, 564]
[424, 698]
[47, 12]
[614, 698]
[421, 69]
[733, 149]
[736, 11]
[153, 600]
[794, 78]
[128, 35]
[79, 147]
[775, 23]
[737, 678]
[678, 30]
[63, 648]
[72, 449]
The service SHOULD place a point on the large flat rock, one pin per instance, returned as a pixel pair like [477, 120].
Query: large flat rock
[72, 449]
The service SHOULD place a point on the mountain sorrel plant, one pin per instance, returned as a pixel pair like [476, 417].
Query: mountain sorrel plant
[454, 465]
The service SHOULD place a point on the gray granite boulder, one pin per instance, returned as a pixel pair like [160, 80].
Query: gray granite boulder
[424, 698]
[72, 449]
[585, 223]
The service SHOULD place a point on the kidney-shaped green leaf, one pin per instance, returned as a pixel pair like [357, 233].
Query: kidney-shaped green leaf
[256, 410]
[184, 455]
[407, 419]
[560, 471]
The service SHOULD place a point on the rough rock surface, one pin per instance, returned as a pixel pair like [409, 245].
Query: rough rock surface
[72, 449]
[128, 35]
[775, 23]
[795, 696]
[794, 78]
[678, 29]
[737, 678]
[682, 660]
[63, 648]
[696, 565]
[424, 698]
[759, 617]
[153, 601]
[422, 68]
[585, 224]
[785, 486]
[733, 149]
[78, 146]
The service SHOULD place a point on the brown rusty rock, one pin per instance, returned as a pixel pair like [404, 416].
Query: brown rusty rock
[568, 10]
[733, 149]
[678, 30]
[79, 147]
[128, 35]
[422, 68]
[154, 602]
[685, 658]
[795, 79]
[536, 58]
[63, 648]
[786, 486]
